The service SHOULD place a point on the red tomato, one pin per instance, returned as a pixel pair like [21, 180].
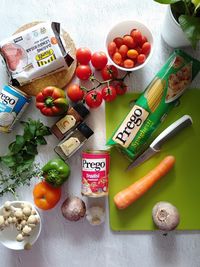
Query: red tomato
[74, 92]
[109, 93]
[99, 60]
[93, 99]
[129, 63]
[109, 72]
[146, 47]
[83, 72]
[112, 48]
[123, 50]
[128, 40]
[141, 58]
[121, 88]
[137, 36]
[117, 58]
[144, 39]
[83, 55]
[46, 196]
[119, 41]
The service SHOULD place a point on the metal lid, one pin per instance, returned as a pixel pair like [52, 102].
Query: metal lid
[81, 109]
[85, 130]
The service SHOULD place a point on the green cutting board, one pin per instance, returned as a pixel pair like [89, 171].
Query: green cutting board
[181, 186]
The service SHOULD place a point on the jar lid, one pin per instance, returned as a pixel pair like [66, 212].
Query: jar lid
[81, 109]
[85, 130]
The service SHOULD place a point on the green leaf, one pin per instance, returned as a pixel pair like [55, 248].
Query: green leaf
[9, 161]
[167, 1]
[40, 140]
[27, 164]
[31, 149]
[191, 28]
[16, 146]
[43, 131]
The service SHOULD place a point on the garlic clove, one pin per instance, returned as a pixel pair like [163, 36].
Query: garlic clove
[95, 215]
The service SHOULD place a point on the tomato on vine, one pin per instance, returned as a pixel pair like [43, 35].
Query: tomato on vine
[83, 72]
[99, 60]
[109, 93]
[83, 55]
[75, 93]
[109, 72]
[121, 88]
[93, 99]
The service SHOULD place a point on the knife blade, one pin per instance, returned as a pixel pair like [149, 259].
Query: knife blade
[156, 145]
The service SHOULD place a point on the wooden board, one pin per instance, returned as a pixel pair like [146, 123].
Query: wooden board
[181, 186]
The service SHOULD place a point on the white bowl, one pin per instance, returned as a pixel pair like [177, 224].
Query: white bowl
[8, 235]
[124, 27]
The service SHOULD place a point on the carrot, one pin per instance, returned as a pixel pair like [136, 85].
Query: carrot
[130, 194]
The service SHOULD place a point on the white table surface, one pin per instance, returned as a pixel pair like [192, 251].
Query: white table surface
[61, 243]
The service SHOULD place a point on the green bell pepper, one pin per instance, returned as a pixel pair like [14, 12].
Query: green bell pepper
[56, 172]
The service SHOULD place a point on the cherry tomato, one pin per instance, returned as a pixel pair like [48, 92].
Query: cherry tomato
[109, 93]
[83, 55]
[99, 60]
[112, 48]
[83, 72]
[121, 88]
[128, 40]
[146, 47]
[132, 53]
[119, 41]
[141, 58]
[117, 58]
[123, 50]
[46, 196]
[138, 49]
[129, 63]
[137, 36]
[74, 92]
[144, 39]
[109, 72]
[93, 99]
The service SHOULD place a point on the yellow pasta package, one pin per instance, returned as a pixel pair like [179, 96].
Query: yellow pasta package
[155, 103]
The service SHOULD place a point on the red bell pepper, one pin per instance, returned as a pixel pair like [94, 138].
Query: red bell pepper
[51, 101]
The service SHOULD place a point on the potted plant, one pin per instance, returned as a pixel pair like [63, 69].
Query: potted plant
[182, 22]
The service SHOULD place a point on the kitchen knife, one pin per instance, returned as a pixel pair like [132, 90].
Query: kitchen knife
[156, 145]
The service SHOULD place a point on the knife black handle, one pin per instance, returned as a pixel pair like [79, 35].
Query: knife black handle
[170, 131]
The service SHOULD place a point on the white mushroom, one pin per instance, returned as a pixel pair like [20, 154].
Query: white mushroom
[95, 215]
[14, 219]
[7, 205]
[23, 223]
[19, 238]
[33, 212]
[2, 221]
[6, 213]
[10, 220]
[26, 211]
[32, 219]
[19, 213]
[26, 230]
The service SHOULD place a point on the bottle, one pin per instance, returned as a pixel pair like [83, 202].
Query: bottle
[67, 147]
[75, 115]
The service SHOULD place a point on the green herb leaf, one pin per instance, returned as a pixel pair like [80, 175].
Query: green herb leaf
[191, 28]
[40, 140]
[31, 149]
[16, 146]
[9, 161]
[167, 1]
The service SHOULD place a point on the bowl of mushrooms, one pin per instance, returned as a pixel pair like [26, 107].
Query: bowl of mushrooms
[20, 225]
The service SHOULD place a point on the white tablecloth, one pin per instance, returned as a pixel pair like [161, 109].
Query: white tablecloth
[61, 243]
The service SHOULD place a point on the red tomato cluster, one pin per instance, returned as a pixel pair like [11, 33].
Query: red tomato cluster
[94, 98]
[130, 50]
